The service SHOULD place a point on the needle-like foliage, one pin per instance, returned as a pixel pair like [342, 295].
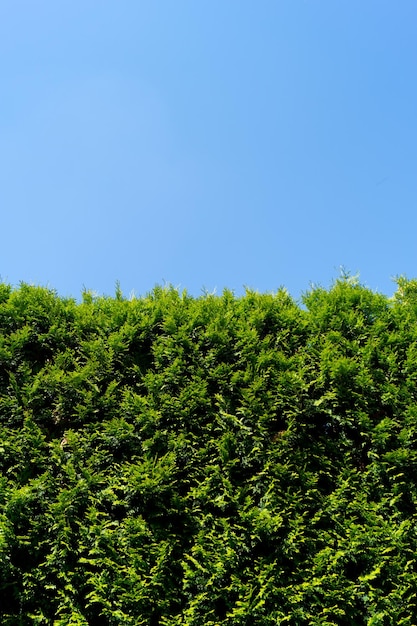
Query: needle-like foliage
[170, 460]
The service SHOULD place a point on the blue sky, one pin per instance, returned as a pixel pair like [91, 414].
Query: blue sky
[207, 144]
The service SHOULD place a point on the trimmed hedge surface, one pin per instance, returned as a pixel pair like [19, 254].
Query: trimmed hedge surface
[171, 460]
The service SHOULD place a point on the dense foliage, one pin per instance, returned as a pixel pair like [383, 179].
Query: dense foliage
[170, 460]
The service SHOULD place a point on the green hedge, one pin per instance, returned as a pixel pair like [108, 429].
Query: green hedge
[171, 460]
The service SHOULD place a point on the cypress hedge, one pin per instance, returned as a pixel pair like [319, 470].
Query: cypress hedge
[170, 460]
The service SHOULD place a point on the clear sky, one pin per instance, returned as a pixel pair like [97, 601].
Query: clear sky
[207, 143]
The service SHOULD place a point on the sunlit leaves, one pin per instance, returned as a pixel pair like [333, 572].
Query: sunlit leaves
[172, 460]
